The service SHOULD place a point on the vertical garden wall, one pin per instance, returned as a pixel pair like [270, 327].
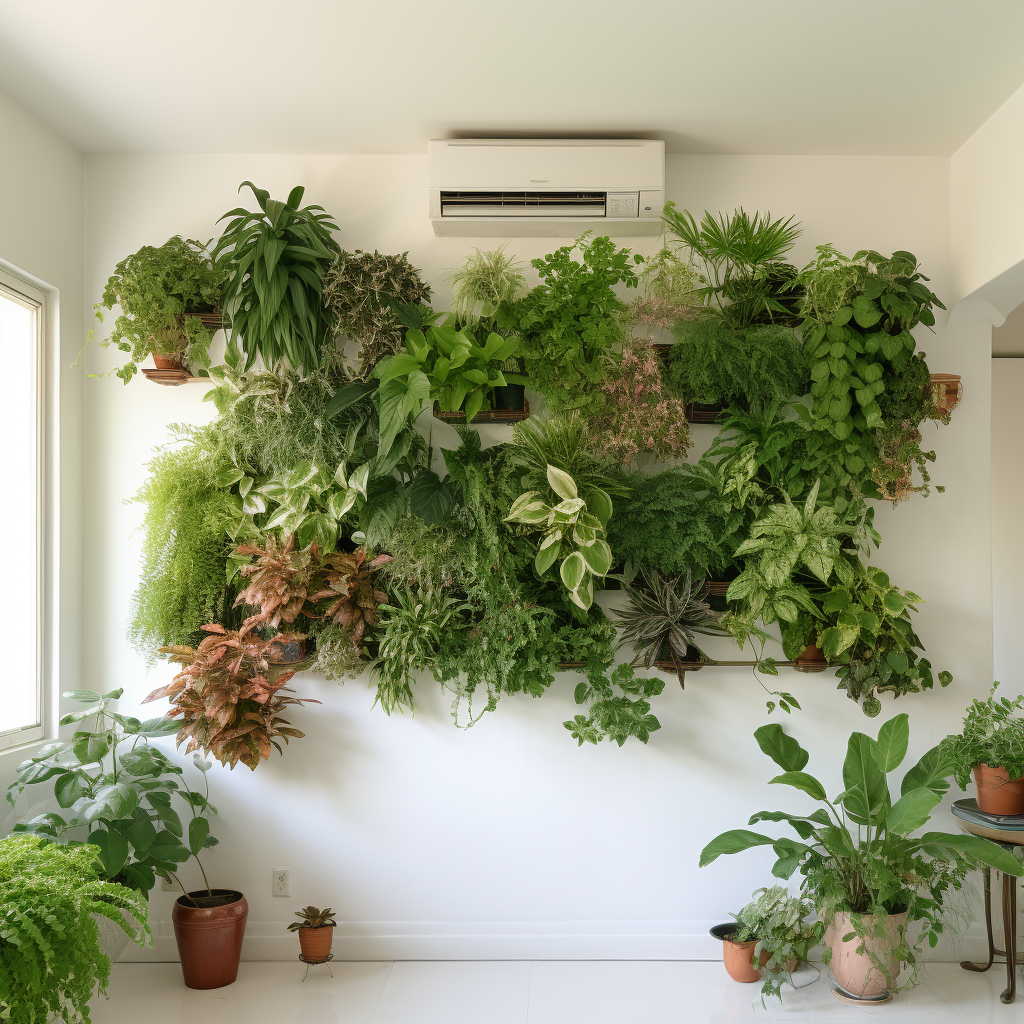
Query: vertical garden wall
[508, 832]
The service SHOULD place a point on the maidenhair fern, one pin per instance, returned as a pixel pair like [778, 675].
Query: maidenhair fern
[51, 963]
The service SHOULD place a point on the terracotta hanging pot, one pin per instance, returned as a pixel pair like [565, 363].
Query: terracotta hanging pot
[946, 391]
[209, 936]
[315, 943]
[997, 792]
[287, 652]
[855, 973]
[812, 660]
[737, 956]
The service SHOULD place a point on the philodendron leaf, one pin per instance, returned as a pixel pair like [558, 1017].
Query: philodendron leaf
[113, 849]
[785, 751]
[732, 842]
[547, 556]
[573, 571]
[561, 483]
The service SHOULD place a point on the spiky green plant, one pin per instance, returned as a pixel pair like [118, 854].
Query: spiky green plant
[483, 282]
[667, 613]
[276, 261]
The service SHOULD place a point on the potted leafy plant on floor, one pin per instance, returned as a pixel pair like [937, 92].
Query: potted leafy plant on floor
[991, 746]
[51, 963]
[169, 297]
[316, 929]
[868, 877]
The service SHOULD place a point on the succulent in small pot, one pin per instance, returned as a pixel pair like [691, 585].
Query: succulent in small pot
[991, 747]
[315, 932]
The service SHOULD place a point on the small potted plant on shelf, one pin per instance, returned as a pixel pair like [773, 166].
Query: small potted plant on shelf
[868, 877]
[661, 620]
[169, 297]
[51, 961]
[991, 746]
[316, 930]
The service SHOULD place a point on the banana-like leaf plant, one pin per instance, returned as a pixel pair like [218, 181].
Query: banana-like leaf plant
[275, 261]
[857, 853]
[573, 530]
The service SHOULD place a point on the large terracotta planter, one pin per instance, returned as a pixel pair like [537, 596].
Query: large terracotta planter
[737, 956]
[855, 973]
[997, 792]
[210, 937]
[315, 943]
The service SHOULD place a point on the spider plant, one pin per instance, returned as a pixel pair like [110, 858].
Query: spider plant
[740, 258]
[483, 282]
[276, 260]
[667, 613]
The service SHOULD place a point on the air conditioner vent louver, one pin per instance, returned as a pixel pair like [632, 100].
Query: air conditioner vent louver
[522, 204]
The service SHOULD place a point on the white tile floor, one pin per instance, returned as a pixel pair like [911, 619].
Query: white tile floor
[524, 992]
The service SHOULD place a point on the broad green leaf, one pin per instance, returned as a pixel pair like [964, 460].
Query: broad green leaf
[911, 811]
[198, 830]
[931, 772]
[561, 483]
[732, 842]
[546, 557]
[600, 504]
[942, 844]
[573, 570]
[866, 798]
[801, 780]
[785, 751]
[113, 849]
[891, 746]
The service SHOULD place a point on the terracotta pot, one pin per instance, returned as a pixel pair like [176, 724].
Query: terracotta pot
[168, 362]
[315, 943]
[997, 792]
[947, 391]
[854, 972]
[812, 660]
[210, 937]
[737, 956]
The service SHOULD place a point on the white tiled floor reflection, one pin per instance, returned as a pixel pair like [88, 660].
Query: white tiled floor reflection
[524, 992]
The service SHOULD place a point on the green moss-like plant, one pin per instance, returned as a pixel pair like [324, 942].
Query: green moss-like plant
[714, 364]
[185, 550]
[51, 963]
[160, 291]
[670, 523]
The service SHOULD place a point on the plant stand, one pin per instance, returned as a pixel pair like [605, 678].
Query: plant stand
[1009, 956]
[170, 378]
[326, 961]
[485, 415]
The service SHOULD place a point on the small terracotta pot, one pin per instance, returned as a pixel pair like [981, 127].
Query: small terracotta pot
[210, 937]
[168, 362]
[855, 973]
[946, 390]
[812, 660]
[737, 956]
[315, 943]
[997, 792]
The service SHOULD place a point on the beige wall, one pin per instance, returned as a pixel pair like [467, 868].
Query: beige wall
[41, 239]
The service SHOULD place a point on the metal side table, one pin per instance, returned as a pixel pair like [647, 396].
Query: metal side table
[1008, 836]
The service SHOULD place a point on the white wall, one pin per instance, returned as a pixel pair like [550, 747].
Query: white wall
[507, 840]
[1007, 502]
[41, 182]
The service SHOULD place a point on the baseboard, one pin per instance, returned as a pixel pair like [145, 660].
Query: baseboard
[505, 940]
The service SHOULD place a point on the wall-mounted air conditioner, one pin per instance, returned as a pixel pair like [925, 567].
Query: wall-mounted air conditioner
[560, 187]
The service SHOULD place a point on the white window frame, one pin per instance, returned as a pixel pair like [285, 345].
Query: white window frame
[26, 292]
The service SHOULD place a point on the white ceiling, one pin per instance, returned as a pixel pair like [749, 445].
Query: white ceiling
[384, 76]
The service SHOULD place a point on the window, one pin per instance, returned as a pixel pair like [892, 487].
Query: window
[22, 309]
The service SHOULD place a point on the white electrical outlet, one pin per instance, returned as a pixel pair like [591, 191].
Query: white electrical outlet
[281, 882]
[166, 885]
